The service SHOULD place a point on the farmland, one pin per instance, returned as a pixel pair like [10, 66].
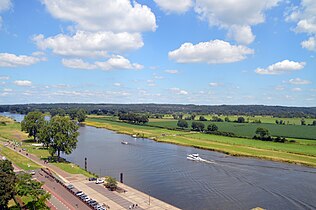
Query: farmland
[302, 151]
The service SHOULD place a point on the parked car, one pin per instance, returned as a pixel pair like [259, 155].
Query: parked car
[32, 172]
[70, 186]
[79, 193]
[99, 181]
[92, 179]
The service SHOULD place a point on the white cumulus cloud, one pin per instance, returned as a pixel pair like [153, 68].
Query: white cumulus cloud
[106, 15]
[281, 67]
[214, 84]
[305, 18]
[177, 6]
[90, 44]
[12, 60]
[116, 62]
[299, 81]
[235, 14]
[171, 71]
[178, 91]
[4, 5]
[309, 44]
[214, 51]
[77, 64]
[4, 77]
[23, 83]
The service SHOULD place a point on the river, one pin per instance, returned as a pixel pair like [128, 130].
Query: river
[163, 171]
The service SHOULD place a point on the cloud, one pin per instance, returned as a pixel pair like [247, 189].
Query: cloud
[171, 71]
[77, 64]
[4, 6]
[96, 15]
[298, 81]
[90, 44]
[304, 16]
[279, 88]
[214, 51]
[296, 89]
[23, 83]
[214, 84]
[178, 91]
[12, 60]
[281, 67]
[309, 44]
[4, 77]
[7, 90]
[117, 84]
[236, 14]
[242, 34]
[118, 62]
[115, 62]
[177, 6]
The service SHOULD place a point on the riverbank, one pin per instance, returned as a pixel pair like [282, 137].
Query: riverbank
[301, 152]
[29, 157]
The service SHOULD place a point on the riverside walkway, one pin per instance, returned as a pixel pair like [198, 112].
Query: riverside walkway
[112, 199]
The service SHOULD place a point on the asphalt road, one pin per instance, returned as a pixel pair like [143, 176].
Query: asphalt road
[69, 200]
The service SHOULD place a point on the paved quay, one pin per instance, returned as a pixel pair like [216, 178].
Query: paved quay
[112, 199]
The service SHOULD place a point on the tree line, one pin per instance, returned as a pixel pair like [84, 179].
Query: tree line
[115, 109]
[134, 118]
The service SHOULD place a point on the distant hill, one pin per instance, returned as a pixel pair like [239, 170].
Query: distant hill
[277, 111]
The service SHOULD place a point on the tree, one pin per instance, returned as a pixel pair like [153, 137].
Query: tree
[212, 127]
[7, 182]
[240, 119]
[44, 134]
[182, 123]
[262, 132]
[277, 121]
[81, 115]
[26, 186]
[303, 121]
[314, 123]
[64, 135]
[227, 119]
[111, 183]
[197, 126]
[202, 118]
[193, 116]
[32, 122]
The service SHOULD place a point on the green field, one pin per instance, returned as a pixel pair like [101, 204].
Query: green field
[248, 129]
[302, 151]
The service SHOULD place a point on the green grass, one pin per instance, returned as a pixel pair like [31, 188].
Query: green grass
[248, 129]
[72, 169]
[301, 152]
[19, 160]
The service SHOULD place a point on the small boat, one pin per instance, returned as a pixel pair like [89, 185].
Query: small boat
[195, 157]
[124, 142]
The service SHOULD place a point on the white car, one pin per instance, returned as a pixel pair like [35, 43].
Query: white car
[99, 181]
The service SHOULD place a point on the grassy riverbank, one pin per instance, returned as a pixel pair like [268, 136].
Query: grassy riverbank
[300, 152]
[12, 132]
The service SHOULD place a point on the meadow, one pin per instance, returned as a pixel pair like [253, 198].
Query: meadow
[300, 152]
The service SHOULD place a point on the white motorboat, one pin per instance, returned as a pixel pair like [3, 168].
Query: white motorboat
[124, 142]
[195, 157]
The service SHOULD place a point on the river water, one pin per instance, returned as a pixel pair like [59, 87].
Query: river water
[163, 171]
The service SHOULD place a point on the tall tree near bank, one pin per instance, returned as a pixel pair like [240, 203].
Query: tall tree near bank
[44, 134]
[182, 124]
[64, 135]
[32, 123]
[7, 183]
[81, 115]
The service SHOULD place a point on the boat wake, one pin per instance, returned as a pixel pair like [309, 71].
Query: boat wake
[196, 157]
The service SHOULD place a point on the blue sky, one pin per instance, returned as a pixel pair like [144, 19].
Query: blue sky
[158, 51]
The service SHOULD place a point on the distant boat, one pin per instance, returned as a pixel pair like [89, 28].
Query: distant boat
[124, 142]
[195, 157]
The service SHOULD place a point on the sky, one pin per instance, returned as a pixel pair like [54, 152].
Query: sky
[208, 52]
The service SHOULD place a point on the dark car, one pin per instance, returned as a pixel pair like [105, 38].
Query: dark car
[92, 179]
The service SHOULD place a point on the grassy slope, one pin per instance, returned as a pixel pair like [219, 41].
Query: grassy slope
[12, 131]
[300, 152]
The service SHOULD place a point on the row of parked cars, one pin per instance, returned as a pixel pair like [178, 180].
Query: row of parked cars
[94, 204]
